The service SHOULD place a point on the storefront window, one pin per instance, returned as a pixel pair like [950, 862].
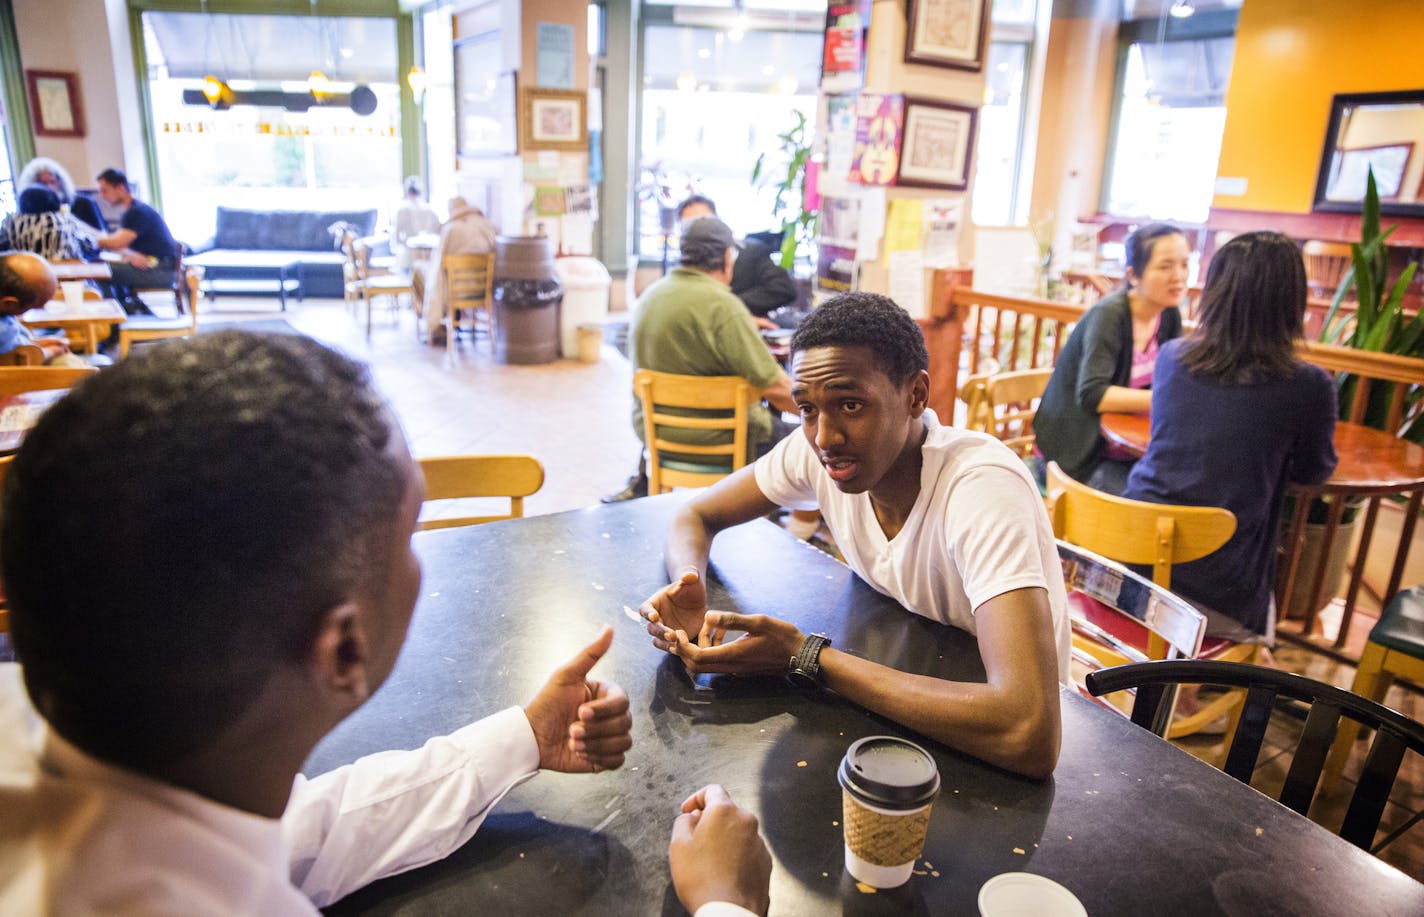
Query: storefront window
[271, 156]
[713, 100]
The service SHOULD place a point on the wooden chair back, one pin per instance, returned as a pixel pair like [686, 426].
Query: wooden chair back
[374, 282]
[700, 404]
[469, 286]
[1325, 266]
[23, 355]
[459, 477]
[1004, 404]
[1132, 531]
[17, 379]
[1156, 683]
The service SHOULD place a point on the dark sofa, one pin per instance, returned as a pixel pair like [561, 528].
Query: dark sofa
[307, 232]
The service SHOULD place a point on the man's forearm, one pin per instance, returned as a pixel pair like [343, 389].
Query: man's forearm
[689, 544]
[1005, 727]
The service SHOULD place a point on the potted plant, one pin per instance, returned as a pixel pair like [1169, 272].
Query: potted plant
[1379, 324]
[798, 224]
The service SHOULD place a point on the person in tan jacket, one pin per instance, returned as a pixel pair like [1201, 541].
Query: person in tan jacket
[467, 232]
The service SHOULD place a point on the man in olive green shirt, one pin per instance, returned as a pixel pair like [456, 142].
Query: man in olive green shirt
[689, 323]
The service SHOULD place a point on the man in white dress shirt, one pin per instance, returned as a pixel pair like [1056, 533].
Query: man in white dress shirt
[207, 557]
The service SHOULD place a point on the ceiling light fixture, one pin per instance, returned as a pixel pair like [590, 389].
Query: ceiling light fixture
[415, 79]
[1181, 10]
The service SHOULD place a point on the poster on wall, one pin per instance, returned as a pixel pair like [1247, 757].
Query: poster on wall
[843, 61]
[835, 269]
[879, 120]
[554, 62]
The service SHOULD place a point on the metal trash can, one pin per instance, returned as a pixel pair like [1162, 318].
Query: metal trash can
[527, 296]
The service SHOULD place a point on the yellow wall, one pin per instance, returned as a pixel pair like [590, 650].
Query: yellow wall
[1292, 56]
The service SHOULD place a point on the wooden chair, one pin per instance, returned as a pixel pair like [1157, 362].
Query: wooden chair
[17, 379]
[23, 355]
[1395, 649]
[1003, 405]
[469, 287]
[1395, 733]
[1135, 532]
[704, 404]
[456, 477]
[1325, 266]
[374, 284]
[153, 327]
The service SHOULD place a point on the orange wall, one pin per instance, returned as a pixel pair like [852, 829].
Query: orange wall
[1291, 57]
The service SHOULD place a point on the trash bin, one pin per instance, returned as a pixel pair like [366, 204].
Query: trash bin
[586, 284]
[526, 300]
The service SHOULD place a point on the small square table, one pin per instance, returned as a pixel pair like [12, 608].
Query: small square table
[92, 322]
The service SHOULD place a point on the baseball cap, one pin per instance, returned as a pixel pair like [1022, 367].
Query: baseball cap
[705, 239]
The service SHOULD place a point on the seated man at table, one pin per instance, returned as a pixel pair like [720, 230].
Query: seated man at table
[945, 521]
[467, 232]
[27, 282]
[142, 239]
[207, 555]
[761, 284]
[689, 323]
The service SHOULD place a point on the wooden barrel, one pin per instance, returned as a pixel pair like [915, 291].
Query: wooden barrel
[527, 297]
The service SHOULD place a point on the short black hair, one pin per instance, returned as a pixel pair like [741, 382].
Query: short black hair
[1137, 250]
[114, 177]
[696, 199]
[175, 527]
[867, 320]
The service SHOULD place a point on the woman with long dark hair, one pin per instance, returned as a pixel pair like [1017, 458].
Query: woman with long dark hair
[1107, 364]
[1236, 416]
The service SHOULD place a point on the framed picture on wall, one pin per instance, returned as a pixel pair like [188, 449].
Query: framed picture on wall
[554, 119]
[946, 33]
[938, 144]
[55, 104]
[486, 115]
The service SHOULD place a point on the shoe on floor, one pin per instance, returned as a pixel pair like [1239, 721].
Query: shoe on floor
[636, 487]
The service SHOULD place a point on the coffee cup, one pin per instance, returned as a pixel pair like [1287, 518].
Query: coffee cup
[888, 786]
[73, 291]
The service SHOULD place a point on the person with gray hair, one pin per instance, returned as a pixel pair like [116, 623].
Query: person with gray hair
[45, 171]
[689, 323]
[413, 217]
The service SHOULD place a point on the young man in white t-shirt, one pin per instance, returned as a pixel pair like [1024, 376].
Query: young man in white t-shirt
[946, 521]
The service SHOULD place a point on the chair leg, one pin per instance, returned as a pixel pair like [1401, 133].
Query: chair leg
[1372, 682]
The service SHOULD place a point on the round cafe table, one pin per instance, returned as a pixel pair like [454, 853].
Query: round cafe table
[1371, 464]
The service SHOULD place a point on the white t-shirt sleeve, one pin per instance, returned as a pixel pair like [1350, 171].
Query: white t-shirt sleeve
[722, 909]
[1001, 551]
[786, 474]
[393, 811]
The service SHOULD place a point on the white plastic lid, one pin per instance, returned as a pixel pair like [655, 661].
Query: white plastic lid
[1023, 894]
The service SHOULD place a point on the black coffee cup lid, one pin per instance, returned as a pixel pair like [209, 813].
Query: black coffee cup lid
[890, 772]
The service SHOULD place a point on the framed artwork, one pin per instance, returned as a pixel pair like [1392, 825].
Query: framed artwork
[938, 144]
[486, 116]
[55, 104]
[554, 119]
[946, 33]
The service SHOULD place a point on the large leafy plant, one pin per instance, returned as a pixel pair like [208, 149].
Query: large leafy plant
[797, 223]
[1379, 323]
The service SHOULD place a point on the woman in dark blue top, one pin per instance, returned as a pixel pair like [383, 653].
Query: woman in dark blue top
[1236, 416]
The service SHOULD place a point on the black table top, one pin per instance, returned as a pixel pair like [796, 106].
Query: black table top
[1128, 823]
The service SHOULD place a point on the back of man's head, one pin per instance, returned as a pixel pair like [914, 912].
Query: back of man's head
[704, 244]
[114, 177]
[38, 199]
[26, 282]
[867, 320]
[175, 528]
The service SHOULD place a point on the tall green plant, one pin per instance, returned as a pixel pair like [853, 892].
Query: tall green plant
[1379, 321]
[797, 223]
